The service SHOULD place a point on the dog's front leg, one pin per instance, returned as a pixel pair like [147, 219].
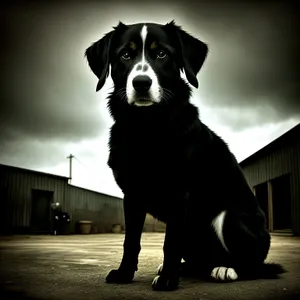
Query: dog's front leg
[134, 222]
[168, 279]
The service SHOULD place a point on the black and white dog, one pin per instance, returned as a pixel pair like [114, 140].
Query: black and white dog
[171, 165]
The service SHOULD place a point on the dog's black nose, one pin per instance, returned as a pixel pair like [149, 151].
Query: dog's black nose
[142, 83]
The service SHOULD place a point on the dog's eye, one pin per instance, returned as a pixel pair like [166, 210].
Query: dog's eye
[161, 54]
[126, 55]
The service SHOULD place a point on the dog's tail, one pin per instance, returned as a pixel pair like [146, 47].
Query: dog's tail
[263, 271]
[271, 270]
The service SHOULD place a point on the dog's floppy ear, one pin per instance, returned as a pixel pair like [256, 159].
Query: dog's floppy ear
[193, 53]
[98, 56]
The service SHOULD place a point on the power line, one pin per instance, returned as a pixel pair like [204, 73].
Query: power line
[84, 165]
[91, 172]
[80, 162]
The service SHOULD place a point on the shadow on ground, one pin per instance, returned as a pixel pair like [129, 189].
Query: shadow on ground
[74, 267]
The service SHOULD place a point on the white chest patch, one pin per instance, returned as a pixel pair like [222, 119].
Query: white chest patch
[143, 68]
[217, 224]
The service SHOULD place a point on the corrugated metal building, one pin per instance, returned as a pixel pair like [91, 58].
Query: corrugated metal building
[273, 173]
[26, 197]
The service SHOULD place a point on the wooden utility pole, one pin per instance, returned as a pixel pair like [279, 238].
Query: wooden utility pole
[70, 157]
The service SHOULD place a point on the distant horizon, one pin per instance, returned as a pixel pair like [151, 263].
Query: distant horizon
[118, 196]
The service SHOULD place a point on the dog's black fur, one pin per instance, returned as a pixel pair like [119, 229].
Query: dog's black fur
[171, 165]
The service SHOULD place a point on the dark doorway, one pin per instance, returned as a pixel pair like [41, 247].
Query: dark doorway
[281, 203]
[261, 192]
[40, 211]
[5, 220]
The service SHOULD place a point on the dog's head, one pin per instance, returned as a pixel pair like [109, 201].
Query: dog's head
[146, 60]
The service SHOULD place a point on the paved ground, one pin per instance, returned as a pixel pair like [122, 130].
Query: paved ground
[74, 267]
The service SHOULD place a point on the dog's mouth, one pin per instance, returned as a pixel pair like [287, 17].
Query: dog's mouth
[143, 102]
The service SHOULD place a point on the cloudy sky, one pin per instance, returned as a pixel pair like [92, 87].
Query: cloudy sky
[248, 93]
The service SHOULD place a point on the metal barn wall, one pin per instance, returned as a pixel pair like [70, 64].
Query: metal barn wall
[153, 225]
[280, 161]
[103, 210]
[18, 184]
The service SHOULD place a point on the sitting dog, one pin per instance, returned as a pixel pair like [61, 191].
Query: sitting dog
[171, 165]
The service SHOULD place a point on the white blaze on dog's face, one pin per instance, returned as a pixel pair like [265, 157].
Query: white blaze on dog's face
[146, 61]
[142, 86]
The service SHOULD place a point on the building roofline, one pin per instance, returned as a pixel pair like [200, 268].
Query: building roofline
[34, 171]
[284, 137]
[96, 192]
[56, 176]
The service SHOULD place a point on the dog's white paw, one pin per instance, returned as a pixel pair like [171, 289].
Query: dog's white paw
[224, 274]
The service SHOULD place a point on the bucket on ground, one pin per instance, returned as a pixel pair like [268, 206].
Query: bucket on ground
[84, 227]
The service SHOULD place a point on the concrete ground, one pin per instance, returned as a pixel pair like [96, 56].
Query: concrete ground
[74, 267]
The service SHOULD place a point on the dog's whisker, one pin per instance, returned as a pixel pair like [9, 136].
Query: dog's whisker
[121, 93]
[167, 95]
[168, 91]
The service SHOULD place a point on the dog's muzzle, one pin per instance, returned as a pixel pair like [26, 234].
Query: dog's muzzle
[141, 85]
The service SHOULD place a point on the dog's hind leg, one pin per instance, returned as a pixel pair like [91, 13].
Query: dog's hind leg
[206, 252]
[227, 250]
[246, 240]
[222, 271]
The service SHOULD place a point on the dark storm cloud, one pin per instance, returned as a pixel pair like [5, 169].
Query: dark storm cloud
[44, 94]
[253, 63]
[48, 94]
[32, 153]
